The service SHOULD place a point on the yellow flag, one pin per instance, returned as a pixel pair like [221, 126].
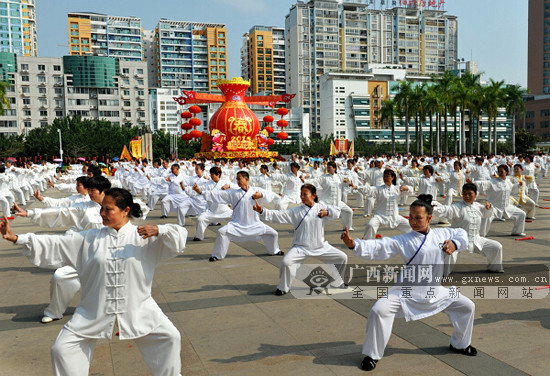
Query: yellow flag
[333, 150]
[125, 154]
[351, 151]
[135, 147]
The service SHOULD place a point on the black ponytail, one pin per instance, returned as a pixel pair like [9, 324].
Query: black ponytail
[123, 199]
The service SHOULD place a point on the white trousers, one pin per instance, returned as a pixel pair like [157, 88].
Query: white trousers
[518, 216]
[5, 206]
[369, 206]
[491, 249]
[293, 259]
[223, 238]
[63, 287]
[529, 206]
[71, 353]
[380, 322]
[20, 196]
[153, 199]
[534, 193]
[283, 202]
[208, 217]
[372, 227]
[347, 216]
[188, 206]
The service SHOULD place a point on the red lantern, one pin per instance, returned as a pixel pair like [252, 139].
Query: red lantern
[195, 133]
[282, 136]
[186, 126]
[186, 115]
[282, 123]
[195, 109]
[269, 129]
[186, 137]
[195, 122]
[282, 111]
[270, 141]
[268, 119]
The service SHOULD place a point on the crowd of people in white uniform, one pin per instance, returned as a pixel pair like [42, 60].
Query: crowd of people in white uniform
[302, 192]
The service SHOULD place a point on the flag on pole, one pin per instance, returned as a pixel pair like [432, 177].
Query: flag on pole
[125, 154]
[135, 147]
[351, 151]
[333, 150]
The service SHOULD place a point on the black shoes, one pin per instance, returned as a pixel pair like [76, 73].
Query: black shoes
[280, 253]
[279, 292]
[163, 216]
[469, 351]
[368, 364]
[196, 239]
[213, 258]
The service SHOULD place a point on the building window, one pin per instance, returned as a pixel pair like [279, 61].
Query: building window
[44, 113]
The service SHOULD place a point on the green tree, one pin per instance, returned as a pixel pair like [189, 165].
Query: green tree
[4, 100]
[387, 113]
[403, 98]
[513, 100]
[526, 141]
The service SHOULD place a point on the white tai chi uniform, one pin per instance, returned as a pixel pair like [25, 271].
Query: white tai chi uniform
[65, 283]
[116, 270]
[291, 191]
[331, 194]
[498, 193]
[421, 250]
[387, 209]
[214, 212]
[194, 204]
[468, 217]
[309, 240]
[245, 224]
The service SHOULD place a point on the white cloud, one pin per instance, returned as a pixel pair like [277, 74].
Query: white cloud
[248, 6]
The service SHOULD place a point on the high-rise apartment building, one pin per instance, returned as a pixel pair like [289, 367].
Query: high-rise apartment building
[538, 58]
[537, 103]
[325, 36]
[263, 60]
[93, 87]
[104, 35]
[190, 55]
[18, 27]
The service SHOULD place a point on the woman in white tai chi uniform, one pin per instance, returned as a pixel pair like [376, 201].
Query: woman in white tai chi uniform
[387, 198]
[423, 247]
[498, 192]
[81, 216]
[308, 221]
[116, 266]
[467, 214]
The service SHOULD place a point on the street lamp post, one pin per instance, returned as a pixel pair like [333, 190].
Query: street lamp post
[60, 145]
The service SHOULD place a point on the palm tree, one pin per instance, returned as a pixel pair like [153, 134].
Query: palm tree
[444, 83]
[432, 106]
[387, 112]
[513, 99]
[417, 102]
[462, 94]
[476, 103]
[4, 101]
[403, 98]
[470, 82]
[491, 102]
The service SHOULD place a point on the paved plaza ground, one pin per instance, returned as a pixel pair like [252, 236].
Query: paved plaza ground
[232, 323]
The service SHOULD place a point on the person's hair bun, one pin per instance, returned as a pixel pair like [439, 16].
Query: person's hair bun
[426, 198]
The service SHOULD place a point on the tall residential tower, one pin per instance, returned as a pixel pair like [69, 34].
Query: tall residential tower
[263, 60]
[325, 36]
[104, 35]
[18, 27]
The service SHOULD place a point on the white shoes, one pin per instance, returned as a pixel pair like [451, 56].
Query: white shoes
[47, 320]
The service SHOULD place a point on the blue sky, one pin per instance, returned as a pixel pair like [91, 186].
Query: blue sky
[493, 32]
